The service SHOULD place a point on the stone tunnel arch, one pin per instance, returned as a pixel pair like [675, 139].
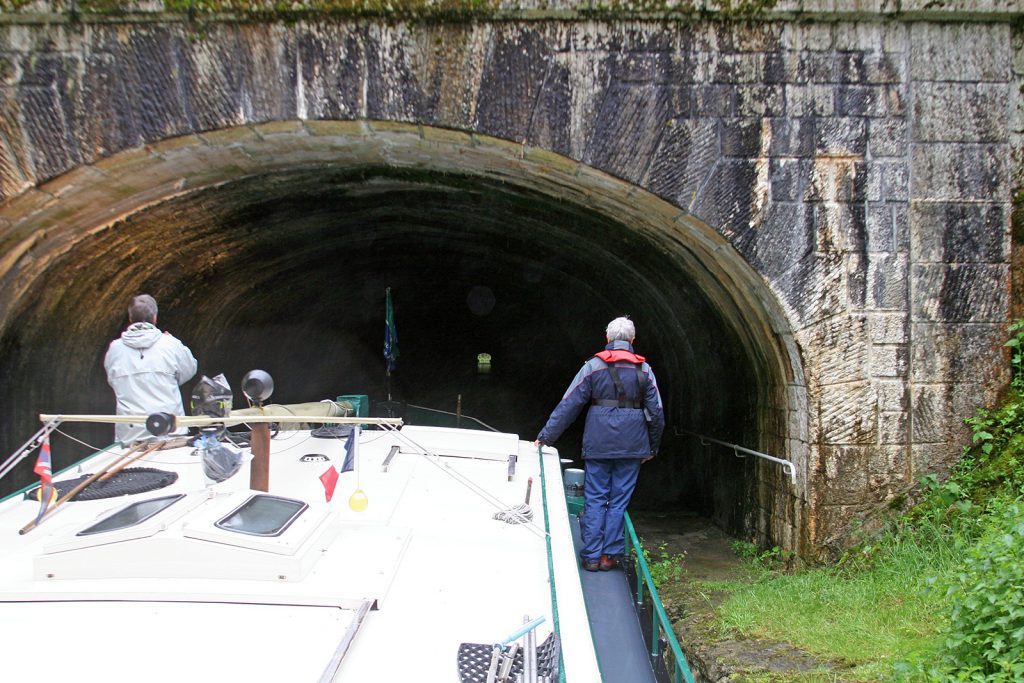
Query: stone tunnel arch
[270, 246]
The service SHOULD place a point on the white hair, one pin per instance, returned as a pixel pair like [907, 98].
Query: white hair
[621, 329]
[142, 309]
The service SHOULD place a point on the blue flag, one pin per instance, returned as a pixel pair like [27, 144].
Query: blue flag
[350, 450]
[390, 334]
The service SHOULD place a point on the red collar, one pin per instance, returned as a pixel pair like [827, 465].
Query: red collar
[613, 355]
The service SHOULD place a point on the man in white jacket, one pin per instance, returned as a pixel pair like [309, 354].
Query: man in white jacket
[145, 368]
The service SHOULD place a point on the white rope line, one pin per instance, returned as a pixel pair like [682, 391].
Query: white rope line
[302, 437]
[87, 445]
[492, 500]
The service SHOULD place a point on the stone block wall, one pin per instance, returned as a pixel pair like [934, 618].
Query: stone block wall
[860, 159]
[961, 166]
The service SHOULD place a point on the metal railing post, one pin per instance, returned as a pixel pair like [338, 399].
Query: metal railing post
[660, 619]
[654, 633]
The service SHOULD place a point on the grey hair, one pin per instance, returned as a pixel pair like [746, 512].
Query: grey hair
[621, 329]
[142, 309]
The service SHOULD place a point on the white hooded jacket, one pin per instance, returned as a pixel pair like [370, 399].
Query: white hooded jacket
[145, 367]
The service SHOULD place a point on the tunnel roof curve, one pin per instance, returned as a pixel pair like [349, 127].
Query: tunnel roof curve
[46, 223]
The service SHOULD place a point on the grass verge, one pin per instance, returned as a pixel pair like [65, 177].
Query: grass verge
[937, 596]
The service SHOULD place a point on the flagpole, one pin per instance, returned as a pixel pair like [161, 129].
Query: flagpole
[357, 501]
[33, 443]
[390, 341]
[387, 342]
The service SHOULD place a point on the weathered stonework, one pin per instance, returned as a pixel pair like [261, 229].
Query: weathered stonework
[853, 164]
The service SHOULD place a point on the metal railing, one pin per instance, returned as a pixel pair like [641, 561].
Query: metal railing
[660, 623]
[787, 466]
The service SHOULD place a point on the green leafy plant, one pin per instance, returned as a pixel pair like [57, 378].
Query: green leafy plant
[761, 561]
[744, 549]
[946, 494]
[987, 631]
[985, 638]
[1016, 345]
[665, 567]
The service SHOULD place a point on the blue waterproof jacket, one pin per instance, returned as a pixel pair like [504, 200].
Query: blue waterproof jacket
[611, 431]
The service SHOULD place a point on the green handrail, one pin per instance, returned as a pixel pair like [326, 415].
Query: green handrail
[551, 564]
[659, 620]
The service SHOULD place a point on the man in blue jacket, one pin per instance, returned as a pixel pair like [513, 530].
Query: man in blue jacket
[623, 430]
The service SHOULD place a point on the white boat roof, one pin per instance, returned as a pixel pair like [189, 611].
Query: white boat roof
[384, 594]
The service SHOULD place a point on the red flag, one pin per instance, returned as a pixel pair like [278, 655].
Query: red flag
[43, 465]
[329, 479]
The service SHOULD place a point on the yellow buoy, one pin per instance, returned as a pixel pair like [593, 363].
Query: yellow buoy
[358, 501]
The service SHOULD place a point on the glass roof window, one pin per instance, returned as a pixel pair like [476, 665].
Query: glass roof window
[131, 515]
[263, 515]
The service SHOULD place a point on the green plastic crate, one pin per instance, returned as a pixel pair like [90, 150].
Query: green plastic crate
[360, 403]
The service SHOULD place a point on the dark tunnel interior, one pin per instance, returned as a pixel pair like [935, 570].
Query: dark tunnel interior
[287, 272]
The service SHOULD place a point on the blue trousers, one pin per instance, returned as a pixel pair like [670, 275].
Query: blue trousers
[607, 488]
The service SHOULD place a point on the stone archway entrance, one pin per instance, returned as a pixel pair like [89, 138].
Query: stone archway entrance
[270, 246]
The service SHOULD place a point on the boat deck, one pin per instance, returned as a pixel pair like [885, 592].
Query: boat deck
[621, 651]
[388, 593]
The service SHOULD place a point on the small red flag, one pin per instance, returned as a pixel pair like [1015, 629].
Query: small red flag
[43, 463]
[44, 468]
[329, 479]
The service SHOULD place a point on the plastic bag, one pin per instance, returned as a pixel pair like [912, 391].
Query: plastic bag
[212, 397]
[219, 461]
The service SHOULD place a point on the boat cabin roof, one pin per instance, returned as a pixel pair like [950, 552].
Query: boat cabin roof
[217, 579]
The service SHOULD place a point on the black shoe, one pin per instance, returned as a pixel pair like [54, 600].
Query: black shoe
[589, 565]
[607, 563]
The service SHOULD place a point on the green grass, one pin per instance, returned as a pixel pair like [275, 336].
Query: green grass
[864, 618]
[858, 620]
[930, 598]
[885, 612]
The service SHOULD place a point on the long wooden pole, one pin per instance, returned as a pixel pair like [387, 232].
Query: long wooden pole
[259, 468]
[146, 450]
[77, 489]
[205, 421]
